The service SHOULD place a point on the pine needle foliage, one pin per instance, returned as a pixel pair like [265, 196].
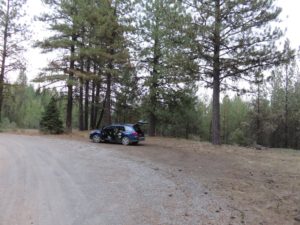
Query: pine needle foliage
[51, 122]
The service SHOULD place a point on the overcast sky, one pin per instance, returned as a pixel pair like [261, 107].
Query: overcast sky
[290, 19]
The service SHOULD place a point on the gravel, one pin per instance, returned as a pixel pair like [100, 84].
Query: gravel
[50, 181]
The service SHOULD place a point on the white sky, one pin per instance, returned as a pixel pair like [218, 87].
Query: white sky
[290, 17]
[36, 60]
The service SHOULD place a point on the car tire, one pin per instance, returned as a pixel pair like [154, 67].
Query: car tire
[125, 141]
[96, 138]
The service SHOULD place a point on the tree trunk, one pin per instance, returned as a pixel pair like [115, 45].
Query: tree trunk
[152, 124]
[97, 101]
[108, 101]
[69, 107]
[4, 55]
[86, 97]
[92, 121]
[101, 114]
[70, 88]
[81, 117]
[216, 140]
[154, 84]
[286, 109]
[1, 96]
[106, 106]
[86, 106]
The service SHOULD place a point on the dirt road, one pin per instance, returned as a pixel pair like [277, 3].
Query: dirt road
[47, 181]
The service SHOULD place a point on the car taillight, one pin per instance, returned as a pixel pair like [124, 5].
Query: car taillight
[135, 134]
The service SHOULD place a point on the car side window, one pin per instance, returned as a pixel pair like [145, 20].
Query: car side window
[108, 130]
[129, 129]
[121, 128]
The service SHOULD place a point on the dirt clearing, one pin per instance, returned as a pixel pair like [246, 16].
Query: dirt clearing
[258, 186]
[187, 182]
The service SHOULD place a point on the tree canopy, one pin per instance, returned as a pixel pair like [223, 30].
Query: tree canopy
[123, 61]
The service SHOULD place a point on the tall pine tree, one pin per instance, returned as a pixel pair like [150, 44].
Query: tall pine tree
[65, 22]
[161, 54]
[12, 34]
[234, 39]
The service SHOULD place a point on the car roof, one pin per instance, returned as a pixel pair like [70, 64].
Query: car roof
[121, 124]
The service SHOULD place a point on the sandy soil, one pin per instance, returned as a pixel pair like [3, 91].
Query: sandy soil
[162, 181]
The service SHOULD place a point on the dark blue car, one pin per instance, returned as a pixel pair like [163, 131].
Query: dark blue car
[119, 133]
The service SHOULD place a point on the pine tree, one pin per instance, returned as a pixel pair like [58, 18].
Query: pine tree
[12, 34]
[127, 98]
[161, 53]
[51, 122]
[294, 124]
[283, 81]
[232, 40]
[91, 34]
[64, 19]
[235, 121]
[109, 52]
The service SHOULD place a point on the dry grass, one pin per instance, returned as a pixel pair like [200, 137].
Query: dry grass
[260, 186]
[30, 132]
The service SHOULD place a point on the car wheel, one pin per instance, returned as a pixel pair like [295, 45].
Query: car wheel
[125, 141]
[96, 138]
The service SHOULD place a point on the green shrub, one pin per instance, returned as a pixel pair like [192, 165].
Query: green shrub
[7, 125]
[239, 137]
[51, 122]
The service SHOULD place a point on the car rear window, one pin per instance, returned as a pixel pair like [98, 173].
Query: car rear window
[137, 128]
[134, 128]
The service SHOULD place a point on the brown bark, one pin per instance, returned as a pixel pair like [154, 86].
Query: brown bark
[86, 97]
[101, 114]
[81, 117]
[4, 56]
[105, 113]
[152, 107]
[70, 88]
[154, 85]
[108, 100]
[86, 105]
[97, 101]
[152, 124]
[92, 121]
[216, 140]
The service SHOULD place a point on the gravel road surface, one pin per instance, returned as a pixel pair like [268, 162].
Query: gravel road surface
[50, 181]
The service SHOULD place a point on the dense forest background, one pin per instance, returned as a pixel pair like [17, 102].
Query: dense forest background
[125, 61]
